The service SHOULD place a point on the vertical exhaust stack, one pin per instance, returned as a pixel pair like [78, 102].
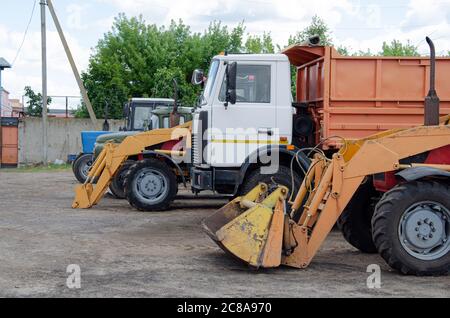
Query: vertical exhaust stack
[432, 101]
[175, 115]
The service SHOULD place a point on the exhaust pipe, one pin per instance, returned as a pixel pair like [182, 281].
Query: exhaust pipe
[175, 115]
[432, 102]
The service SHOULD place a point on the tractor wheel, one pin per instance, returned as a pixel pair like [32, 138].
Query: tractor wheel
[81, 167]
[150, 185]
[117, 185]
[355, 222]
[283, 177]
[411, 228]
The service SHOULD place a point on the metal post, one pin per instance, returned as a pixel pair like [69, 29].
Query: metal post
[44, 84]
[72, 63]
[67, 106]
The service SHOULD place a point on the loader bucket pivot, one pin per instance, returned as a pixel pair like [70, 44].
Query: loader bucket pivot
[251, 227]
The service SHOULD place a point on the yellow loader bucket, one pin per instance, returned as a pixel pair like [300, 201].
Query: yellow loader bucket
[82, 194]
[251, 227]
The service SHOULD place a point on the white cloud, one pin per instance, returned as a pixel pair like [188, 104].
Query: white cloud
[84, 20]
[75, 14]
[27, 69]
[422, 18]
[281, 18]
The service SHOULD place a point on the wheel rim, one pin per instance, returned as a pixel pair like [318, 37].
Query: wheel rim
[85, 169]
[151, 186]
[424, 230]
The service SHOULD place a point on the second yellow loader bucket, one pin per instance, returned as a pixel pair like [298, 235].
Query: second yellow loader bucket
[251, 227]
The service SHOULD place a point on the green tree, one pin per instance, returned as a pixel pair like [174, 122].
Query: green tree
[318, 27]
[397, 48]
[135, 60]
[34, 103]
[259, 45]
[343, 51]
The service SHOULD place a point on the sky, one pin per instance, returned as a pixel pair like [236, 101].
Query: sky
[356, 24]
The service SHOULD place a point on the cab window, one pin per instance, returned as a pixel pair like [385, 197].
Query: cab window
[253, 84]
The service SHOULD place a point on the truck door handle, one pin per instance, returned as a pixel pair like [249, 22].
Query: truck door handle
[265, 131]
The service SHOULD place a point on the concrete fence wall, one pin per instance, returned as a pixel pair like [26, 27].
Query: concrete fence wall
[64, 138]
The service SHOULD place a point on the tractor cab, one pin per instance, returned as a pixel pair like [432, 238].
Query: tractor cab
[138, 112]
[161, 116]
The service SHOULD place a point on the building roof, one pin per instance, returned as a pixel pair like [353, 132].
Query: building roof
[4, 64]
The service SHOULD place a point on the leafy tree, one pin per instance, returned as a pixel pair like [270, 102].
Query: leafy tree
[258, 45]
[397, 48]
[34, 103]
[164, 85]
[343, 51]
[135, 60]
[318, 27]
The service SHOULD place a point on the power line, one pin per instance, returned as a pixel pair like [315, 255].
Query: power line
[25, 33]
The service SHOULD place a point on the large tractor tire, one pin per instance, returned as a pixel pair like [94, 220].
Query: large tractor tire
[81, 167]
[117, 185]
[283, 177]
[355, 222]
[411, 228]
[150, 185]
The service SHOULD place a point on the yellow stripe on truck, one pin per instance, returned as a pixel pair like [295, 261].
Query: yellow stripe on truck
[249, 142]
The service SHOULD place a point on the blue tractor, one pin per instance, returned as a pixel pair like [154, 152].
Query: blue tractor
[138, 115]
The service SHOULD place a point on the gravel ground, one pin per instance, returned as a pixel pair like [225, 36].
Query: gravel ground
[125, 253]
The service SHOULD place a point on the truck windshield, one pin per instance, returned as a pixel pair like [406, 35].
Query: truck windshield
[210, 82]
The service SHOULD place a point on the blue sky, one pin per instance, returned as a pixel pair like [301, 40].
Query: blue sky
[357, 24]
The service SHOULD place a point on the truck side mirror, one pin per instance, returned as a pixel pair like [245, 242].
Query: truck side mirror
[198, 77]
[231, 74]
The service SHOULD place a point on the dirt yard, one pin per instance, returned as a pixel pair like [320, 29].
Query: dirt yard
[125, 253]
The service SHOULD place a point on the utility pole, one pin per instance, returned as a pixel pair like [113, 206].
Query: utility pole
[44, 83]
[72, 63]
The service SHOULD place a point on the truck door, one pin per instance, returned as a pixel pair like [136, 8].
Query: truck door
[238, 130]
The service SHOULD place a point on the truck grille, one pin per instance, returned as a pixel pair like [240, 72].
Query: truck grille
[196, 158]
[199, 130]
[196, 141]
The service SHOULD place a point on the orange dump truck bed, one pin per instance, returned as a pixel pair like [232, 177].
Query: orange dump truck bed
[354, 97]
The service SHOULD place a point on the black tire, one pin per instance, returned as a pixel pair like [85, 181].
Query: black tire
[355, 222]
[391, 221]
[82, 165]
[117, 185]
[282, 177]
[150, 168]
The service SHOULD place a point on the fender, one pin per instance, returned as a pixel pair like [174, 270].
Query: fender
[273, 149]
[177, 166]
[417, 173]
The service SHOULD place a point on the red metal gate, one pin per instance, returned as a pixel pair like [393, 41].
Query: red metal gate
[9, 142]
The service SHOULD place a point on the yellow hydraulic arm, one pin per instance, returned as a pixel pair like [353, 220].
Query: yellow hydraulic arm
[113, 156]
[273, 238]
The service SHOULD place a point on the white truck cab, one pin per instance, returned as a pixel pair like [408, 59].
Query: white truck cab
[245, 112]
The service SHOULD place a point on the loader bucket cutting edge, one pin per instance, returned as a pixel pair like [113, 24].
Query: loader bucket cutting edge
[247, 234]
[82, 194]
